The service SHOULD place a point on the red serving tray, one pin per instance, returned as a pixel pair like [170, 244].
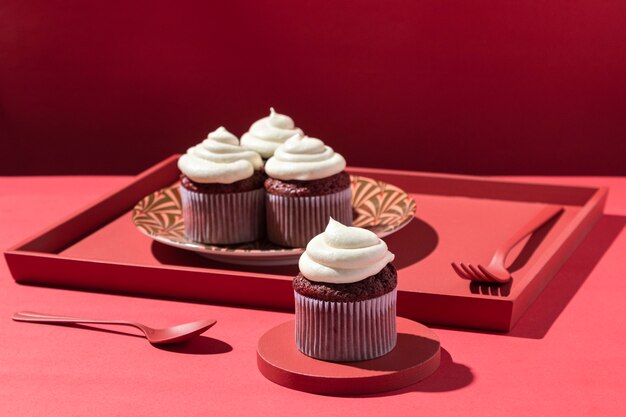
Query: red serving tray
[459, 218]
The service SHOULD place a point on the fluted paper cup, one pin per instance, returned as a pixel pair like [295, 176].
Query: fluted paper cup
[293, 221]
[224, 219]
[346, 331]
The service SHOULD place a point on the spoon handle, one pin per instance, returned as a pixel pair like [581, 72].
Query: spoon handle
[47, 318]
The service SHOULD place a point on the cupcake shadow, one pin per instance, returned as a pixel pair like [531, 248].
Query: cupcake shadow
[449, 376]
[413, 243]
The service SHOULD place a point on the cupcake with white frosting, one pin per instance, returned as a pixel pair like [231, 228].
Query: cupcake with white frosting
[268, 133]
[307, 185]
[345, 296]
[222, 191]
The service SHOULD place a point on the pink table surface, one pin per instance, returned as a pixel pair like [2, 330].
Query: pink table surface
[565, 356]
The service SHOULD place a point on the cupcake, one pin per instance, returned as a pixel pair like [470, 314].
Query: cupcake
[345, 296]
[266, 134]
[222, 191]
[307, 185]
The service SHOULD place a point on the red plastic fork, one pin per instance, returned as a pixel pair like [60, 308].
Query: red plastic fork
[496, 272]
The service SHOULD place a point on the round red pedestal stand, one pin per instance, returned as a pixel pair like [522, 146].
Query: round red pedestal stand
[415, 357]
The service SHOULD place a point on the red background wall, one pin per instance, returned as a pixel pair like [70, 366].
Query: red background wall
[474, 86]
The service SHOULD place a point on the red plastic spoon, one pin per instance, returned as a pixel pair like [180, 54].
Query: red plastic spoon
[173, 334]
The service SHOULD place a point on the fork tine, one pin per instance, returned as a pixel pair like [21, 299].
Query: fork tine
[466, 271]
[489, 274]
[460, 272]
[479, 275]
[469, 272]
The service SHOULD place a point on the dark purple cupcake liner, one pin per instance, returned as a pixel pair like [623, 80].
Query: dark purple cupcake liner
[293, 221]
[346, 331]
[224, 219]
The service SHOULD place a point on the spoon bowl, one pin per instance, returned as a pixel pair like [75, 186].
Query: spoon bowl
[173, 334]
[180, 332]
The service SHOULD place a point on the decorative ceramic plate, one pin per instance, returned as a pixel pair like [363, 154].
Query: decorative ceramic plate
[380, 207]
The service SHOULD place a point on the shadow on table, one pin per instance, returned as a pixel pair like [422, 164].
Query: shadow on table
[503, 290]
[413, 243]
[201, 345]
[450, 376]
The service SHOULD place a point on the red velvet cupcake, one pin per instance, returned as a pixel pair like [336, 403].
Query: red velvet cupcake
[345, 296]
[222, 191]
[307, 185]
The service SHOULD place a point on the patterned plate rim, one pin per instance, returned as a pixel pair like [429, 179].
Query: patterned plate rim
[226, 251]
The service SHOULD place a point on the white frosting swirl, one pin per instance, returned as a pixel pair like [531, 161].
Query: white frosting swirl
[266, 134]
[219, 159]
[343, 255]
[303, 158]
